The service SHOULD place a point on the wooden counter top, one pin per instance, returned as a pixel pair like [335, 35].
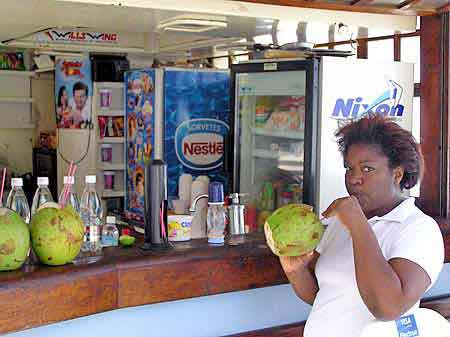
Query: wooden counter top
[128, 277]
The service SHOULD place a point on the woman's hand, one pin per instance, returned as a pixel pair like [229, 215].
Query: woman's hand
[348, 211]
[292, 264]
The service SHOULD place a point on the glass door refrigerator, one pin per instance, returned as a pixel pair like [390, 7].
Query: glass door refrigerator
[274, 136]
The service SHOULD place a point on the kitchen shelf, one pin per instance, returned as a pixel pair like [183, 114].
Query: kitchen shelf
[110, 113]
[118, 166]
[17, 73]
[112, 166]
[26, 126]
[112, 194]
[298, 135]
[111, 140]
[280, 156]
[16, 100]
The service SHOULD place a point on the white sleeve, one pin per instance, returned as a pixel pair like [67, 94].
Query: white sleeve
[420, 242]
[328, 223]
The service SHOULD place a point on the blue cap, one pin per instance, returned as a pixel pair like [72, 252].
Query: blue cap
[216, 192]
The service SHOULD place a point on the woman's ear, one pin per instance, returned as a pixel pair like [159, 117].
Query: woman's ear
[399, 172]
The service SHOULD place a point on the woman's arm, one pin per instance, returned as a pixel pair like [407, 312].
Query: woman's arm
[388, 288]
[300, 272]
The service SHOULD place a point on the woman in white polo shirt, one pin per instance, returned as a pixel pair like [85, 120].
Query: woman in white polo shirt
[379, 253]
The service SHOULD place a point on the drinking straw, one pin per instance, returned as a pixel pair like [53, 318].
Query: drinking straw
[163, 227]
[3, 186]
[62, 202]
[70, 177]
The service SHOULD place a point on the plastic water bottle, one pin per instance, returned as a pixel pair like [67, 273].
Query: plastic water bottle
[91, 213]
[216, 220]
[42, 194]
[17, 201]
[72, 198]
[110, 233]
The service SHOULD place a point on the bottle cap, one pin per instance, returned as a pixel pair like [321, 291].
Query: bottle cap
[234, 198]
[111, 219]
[16, 182]
[42, 181]
[70, 181]
[91, 179]
[216, 192]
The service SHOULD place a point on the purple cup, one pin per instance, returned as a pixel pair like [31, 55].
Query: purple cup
[106, 150]
[105, 98]
[109, 180]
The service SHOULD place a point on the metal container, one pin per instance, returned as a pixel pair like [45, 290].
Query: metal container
[236, 215]
[155, 210]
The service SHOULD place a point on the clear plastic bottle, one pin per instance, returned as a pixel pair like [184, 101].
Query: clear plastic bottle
[42, 194]
[72, 198]
[110, 233]
[216, 220]
[91, 213]
[17, 201]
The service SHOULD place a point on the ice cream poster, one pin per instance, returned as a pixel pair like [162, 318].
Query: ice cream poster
[73, 92]
[197, 119]
[140, 106]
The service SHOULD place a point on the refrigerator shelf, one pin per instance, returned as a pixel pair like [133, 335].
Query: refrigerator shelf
[298, 135]
[280, 156]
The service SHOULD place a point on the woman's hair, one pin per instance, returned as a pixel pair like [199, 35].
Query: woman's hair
[397, 144]
[60, 94]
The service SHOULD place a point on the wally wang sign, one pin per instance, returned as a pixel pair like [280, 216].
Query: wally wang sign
[70, 36]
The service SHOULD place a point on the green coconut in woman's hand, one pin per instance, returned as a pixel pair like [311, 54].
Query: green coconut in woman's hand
[293, 230]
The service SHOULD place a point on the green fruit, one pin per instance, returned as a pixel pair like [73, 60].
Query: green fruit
[293, 230]
[56, 235]
[14, 240]
[126, 240]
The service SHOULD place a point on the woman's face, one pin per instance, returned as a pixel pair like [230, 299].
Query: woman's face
[369, 178]
[64, 97]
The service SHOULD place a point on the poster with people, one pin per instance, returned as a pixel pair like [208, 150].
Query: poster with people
[140, 125]
[73, 92]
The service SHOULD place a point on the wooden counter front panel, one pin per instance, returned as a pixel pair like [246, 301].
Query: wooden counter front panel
[166, 282]
[246, 273]
[153, 284]
[48, 300]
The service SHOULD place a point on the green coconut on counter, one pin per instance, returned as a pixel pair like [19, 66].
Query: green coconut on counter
[293, 230]
[56, 234]
[126, 240]
[14, 240]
